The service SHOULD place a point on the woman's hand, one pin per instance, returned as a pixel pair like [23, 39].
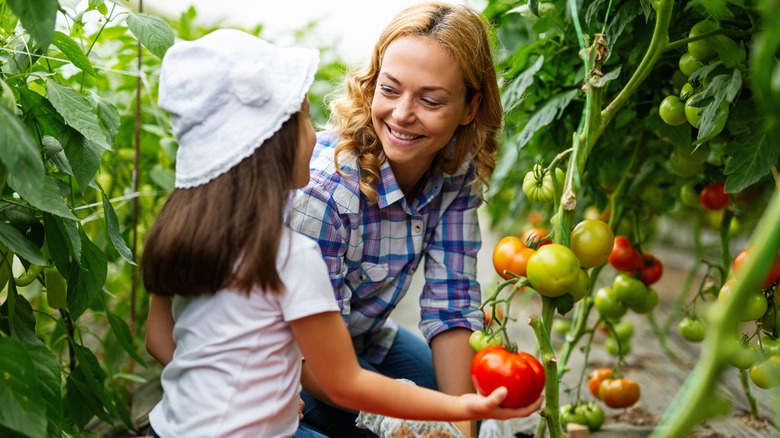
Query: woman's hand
[488, 406]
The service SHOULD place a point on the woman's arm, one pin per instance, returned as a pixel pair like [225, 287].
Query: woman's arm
[325, 343]
[159, 330]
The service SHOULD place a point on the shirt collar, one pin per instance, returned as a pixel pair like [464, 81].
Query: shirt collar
[389, 191]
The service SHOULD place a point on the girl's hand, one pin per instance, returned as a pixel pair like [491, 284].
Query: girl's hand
[488, 406]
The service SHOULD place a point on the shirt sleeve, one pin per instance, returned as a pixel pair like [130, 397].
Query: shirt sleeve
[314, 213]
[306, 282]
[451, 296]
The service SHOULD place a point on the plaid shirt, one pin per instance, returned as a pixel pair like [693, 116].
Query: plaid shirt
[372, 251]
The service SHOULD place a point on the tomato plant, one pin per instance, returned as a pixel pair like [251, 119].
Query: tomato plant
[553, 270]
[510, 256]
[624, 257]
[521, 373]
[591, 242]
[619, 393]
[536, 237]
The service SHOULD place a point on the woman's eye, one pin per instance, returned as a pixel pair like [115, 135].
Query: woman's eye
[431, 102]
[387, 90]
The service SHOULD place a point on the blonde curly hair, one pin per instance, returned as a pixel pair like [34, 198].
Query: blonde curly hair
[463, 32]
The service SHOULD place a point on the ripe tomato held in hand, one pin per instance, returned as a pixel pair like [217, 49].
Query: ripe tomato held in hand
[619, 393]
[596, 377]
[771, 277]
[510, 254]
[520, 373]
[713, 197]
[624, 257]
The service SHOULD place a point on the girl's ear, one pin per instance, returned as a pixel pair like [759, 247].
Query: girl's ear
[471, 109]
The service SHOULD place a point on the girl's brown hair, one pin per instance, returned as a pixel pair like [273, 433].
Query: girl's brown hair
[225, 233]
[464, 33]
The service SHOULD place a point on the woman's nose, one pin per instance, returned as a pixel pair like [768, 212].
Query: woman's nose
[404, 110]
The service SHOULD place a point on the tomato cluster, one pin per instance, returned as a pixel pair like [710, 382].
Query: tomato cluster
[521, 373]
[587, 414]
[616, 392]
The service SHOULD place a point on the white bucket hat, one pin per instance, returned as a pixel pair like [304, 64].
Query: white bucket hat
[228, 92]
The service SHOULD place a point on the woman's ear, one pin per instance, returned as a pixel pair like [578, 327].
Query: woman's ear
[471, 109]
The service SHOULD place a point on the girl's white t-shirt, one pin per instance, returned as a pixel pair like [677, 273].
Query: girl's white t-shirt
[236, 368]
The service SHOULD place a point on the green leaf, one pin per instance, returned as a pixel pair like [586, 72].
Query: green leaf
[154, 33]
[20, 154]
[7, 98]
[514, 93]
[8, 20]
[564, 303]
[73, 52]
[38, 18]
[89, 279]
[19, 244]
[62, 237]
[23, 328]
[753, 153]
[81, 401]
[679, 135]
[112, 224]
[83, 156]
[76, 111]
[52, 151]
[23, 409]
[122, 332]
[49, 199]
[94, 375]
[108, 116]
[48, 370]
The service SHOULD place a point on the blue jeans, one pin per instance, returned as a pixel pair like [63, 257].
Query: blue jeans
[409, 358]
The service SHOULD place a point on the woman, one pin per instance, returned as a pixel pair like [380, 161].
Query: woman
[398, 177]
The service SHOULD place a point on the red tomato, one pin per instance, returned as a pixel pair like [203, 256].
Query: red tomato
[511, 255]
[619, 393]
[521, 373]
[534, 235]
[713, 197]
[596, 377]
[771, 277]
[624, 257]
[651, 269]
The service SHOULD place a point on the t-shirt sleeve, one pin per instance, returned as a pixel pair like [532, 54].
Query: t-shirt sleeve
[308, 290]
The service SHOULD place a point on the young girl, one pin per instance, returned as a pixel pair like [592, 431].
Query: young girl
[239, 298]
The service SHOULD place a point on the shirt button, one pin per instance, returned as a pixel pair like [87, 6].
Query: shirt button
[363, 277]
[417, 228]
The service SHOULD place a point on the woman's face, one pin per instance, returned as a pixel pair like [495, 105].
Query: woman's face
[419, 101]
[306, 140]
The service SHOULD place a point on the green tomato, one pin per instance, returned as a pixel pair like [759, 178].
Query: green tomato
[770, 318]
[553, 270]
[623, 329]
[594, 415]
[629, 290]
[771, 347]
[607, 303]
[591, 242]
[693, 115]
[538, 187]
[480, 340]
[743, 356]
[692, 329]
[561, 326]
[580, 288]
[701, 49]
[754, 306]
[689, 195]
[766, 373]
[571, 415]
[686, 91]
[688, 64]
[623, 348]
[649, 304]
[681, 165]
[672, 111]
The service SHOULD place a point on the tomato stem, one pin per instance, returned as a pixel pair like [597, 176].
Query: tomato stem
[744, 378]
[542, 326]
